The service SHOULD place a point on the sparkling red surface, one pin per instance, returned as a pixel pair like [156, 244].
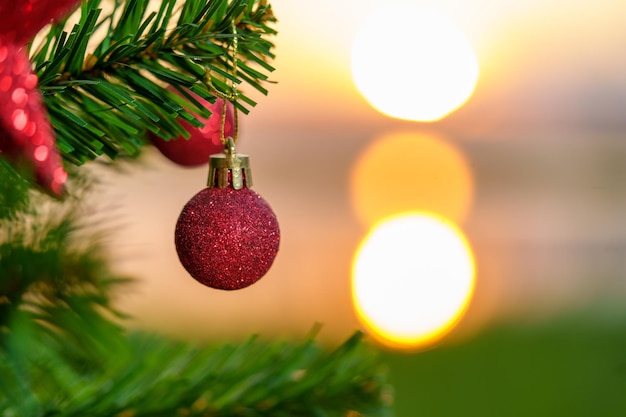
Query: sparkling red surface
[227, 239]
[203, 142]
[25, 132]
[20, 20]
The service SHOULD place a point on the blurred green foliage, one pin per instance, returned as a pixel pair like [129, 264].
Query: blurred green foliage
[566, 367]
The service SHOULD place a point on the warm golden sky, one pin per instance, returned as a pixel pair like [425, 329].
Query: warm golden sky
[537, 58]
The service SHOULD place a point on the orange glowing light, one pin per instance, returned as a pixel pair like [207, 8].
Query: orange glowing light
[410, 62]
[412, 280]
[407, 171]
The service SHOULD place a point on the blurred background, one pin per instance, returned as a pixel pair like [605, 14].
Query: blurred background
[499, 124]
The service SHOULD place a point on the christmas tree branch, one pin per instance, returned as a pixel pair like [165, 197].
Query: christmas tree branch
[104, 101]
[138, 375]
[47, 257]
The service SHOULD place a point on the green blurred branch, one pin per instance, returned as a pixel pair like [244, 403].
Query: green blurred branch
[146, 375]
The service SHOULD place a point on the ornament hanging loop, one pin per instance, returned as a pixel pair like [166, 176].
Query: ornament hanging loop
[229, 169]
[229, 147]
[232, 96]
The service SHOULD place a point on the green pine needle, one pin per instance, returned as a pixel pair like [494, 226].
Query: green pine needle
[103, 100]
[145, 375]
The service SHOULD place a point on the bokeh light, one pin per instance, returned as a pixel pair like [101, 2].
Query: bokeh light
[409, 62]
[412, 279]
[408, 171]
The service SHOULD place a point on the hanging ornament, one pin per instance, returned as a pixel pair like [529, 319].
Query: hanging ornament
[26, 136]
[203, 141]
[227, 236]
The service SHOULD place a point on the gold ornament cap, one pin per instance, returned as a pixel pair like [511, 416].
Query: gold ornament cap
[229, 168]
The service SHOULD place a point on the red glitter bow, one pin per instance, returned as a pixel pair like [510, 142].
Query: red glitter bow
[26, 136]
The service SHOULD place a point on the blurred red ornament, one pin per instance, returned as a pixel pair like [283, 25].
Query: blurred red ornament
[204, 141]
[26, 136]
[227, 235]
[20, 20]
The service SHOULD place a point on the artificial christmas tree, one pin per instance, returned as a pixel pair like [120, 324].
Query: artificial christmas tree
[104, 85]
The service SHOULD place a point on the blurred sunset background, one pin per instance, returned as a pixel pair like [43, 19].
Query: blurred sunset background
[526, 172]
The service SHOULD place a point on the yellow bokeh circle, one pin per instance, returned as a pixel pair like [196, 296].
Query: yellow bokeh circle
[412, 279]
[412, 63]
[409, 171]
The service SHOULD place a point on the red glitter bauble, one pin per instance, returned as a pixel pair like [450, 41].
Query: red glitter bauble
[204, 141]
[226, 238]
[20, 20]
[26, 136]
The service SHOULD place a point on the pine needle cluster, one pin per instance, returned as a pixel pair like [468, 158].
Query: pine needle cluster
[103, 98]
